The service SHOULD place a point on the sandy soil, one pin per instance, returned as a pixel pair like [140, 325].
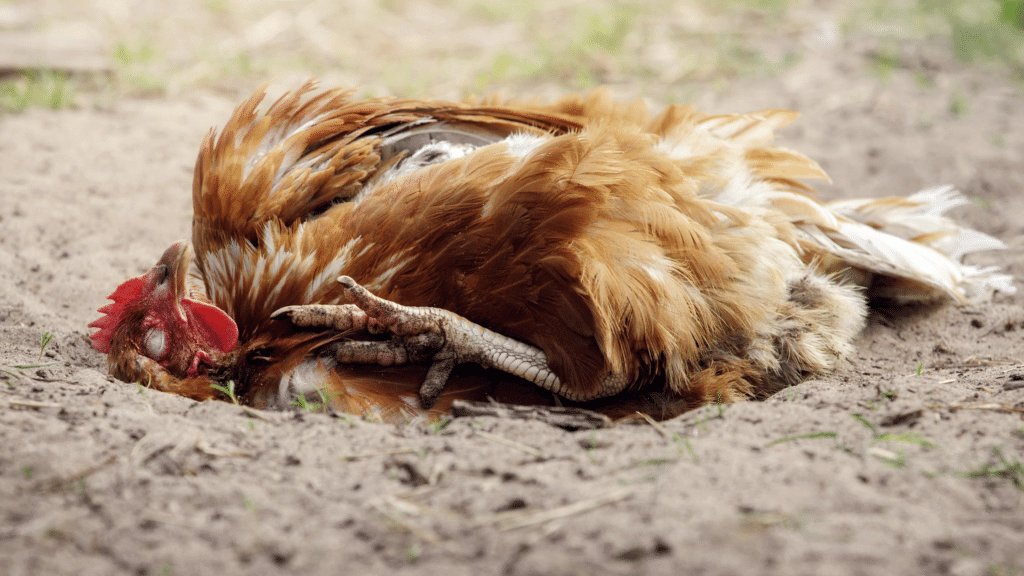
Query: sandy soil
[906, 461]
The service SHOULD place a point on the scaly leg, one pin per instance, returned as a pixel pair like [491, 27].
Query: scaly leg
[425, 334]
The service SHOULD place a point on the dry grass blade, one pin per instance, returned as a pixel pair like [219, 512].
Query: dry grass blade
[133, 456]
[33, 404]
[255, 414]
[511, 443]
[351, 457]
[390, 507]
[974, 361]
[65, 483]
[887, 455]
[205, 447]
[523, 518]
[654, 424]
[993, 406]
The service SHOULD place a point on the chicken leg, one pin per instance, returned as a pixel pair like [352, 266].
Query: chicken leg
[421, 334]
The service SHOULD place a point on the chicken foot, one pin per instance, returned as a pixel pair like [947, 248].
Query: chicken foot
[421, 334]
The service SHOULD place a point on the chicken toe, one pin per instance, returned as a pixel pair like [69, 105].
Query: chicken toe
[461, 341]
[422, 334]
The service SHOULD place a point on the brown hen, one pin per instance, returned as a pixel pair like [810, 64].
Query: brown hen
[583, 251]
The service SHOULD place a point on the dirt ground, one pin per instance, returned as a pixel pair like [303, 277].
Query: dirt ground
[906, 461]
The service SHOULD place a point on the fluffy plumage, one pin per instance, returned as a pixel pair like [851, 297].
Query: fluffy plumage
[658, 263]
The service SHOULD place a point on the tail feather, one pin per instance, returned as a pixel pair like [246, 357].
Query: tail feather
[920, 218]
[915, 248]
[890, 256]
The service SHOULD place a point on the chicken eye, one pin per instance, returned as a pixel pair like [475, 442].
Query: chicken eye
[156, 343]
[162, 272]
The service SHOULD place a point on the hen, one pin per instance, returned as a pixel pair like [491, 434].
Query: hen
[375, 252]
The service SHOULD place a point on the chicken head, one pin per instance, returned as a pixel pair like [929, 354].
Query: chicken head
[164, 317]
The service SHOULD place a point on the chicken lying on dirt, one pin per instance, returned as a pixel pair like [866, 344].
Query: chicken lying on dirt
[382, 253]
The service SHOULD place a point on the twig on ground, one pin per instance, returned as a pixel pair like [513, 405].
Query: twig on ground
[567, 418]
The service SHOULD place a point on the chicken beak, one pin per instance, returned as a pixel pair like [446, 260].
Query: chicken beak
[209, 327]
[172, 269]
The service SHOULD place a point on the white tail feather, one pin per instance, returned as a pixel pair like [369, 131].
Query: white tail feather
[912, 239]
[911, 248]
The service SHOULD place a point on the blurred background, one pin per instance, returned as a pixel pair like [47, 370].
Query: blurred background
[76, 53]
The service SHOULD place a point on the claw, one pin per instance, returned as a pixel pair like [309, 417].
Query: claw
[340, 317]
[392, 317]
[436, 378]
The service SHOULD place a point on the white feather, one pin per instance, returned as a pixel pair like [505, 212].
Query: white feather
[912, 238]
[328, 276]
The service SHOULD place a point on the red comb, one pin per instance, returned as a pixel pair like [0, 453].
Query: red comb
[128, 291]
